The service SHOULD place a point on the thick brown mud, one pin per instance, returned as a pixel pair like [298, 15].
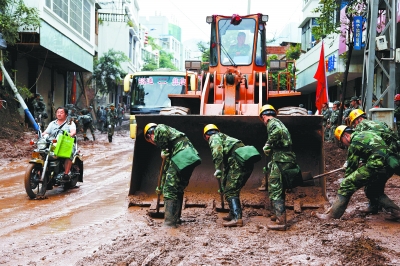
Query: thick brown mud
[92, 224]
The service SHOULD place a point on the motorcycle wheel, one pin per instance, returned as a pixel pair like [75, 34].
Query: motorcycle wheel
[33, 186]
[75, 171]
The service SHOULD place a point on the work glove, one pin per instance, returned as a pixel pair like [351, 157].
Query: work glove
[218, 173]
[158, 190]
[164, 154]
[345, 164]
[267, 149]
[109, 126]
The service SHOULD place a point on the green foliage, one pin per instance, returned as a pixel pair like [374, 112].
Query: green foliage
[166, 60]
[150, 64]
[205, 54]
[15, 14]
[107, 71]
[24, 92]
[283, 78]
[294, 52]
[326, 21]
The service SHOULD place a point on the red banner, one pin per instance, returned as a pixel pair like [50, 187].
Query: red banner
[321, 92]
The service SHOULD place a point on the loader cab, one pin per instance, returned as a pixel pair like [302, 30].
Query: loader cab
[238, 41]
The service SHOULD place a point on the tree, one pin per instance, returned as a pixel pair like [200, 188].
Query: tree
[327, 23]
[205, 54]
[14, 14]
[150, 64]
[107, 71]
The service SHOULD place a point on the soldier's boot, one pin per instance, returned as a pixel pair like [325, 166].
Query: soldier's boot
[237, 213]
[392, 208]
[171, 213]
[263, 186]
[94, 138]
[180, 205]
[85, 138]
[280, 212]
[337, 209]
[229, 217]
[109, 138]
[372, 208]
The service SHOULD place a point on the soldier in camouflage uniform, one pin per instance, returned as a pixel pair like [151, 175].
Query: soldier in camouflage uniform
[234, 175]
[372, 174]
[346, 113]
[171, 142]
[354, 102]
[112, 119]
[326, 113]
[39, 108]
[333, 120]
[279, 146]
[397, 112]
[239, 49]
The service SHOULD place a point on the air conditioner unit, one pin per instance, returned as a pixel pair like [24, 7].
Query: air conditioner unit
[381, 43]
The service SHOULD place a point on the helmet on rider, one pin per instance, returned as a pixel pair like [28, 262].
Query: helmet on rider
[209, 130]
[267, 110]
[397, 97]
[148, 130]
[340, 130]
[356, 113]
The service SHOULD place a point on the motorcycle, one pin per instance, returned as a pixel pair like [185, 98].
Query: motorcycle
[46, 170]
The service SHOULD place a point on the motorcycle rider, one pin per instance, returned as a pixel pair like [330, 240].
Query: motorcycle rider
[67, 125]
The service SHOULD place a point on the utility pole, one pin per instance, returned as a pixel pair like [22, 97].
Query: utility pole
[248, 6]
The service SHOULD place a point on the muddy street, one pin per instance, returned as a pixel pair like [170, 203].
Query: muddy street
[92, 224]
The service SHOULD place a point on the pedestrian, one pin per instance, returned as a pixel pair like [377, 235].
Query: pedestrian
[86, 121]
[355, 103]
[326, 113]
[120, 114]
[397, 113]
[101, 118]
[112, 119]
[333, 120]
[39, 110]
[180, 158]
[284, 172]
[346, 113]
[232, 172]
[62, 122]
[372, 174]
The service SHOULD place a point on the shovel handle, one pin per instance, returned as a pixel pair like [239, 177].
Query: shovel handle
[159, 184]
[330, 172]
[221, 193]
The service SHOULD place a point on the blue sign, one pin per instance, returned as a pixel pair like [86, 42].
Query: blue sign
[331, 63]
[358, 22]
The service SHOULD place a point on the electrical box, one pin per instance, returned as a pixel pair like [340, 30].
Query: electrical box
[381, 43]
[397, 55]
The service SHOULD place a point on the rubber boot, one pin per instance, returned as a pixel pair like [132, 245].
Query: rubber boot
[109, 138]
[373, 207]
[390, 207]
[85, 138]
[280, 212]
[180, 204]
[337, 209]
[229, 217]
[171, 213]
[237, 213]
[263, 186]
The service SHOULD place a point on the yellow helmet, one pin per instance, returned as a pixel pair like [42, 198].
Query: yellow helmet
[211, 129]
[355, 114]
[148, 129]
[267, 110]
[340, 130]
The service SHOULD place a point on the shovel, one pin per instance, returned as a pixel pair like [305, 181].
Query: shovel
[158, 214]
[308, 180]
[222, 209]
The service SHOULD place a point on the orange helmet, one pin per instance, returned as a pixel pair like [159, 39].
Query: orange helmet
[397, 97]
[356, 113]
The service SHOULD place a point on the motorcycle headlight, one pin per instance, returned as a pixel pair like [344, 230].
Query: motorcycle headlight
[41, 144]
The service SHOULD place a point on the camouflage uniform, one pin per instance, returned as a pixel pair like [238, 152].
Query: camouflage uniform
[333, 124]
[39, 108]
[111, 122]
[346, 114]
[234, 176]
[87, 123]
[175, 141]
[120, 114]
[282, 157]
[326, 113]
[236, 50]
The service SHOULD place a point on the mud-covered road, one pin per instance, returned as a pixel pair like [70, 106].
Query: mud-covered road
[92, 224]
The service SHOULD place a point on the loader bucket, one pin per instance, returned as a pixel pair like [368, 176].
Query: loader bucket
[305, 132]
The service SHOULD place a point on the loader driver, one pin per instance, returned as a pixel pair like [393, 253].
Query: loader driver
[239, 49]
[176, 149]
[372, 174]
[233, 175]
[65, 124]
[283, 167]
